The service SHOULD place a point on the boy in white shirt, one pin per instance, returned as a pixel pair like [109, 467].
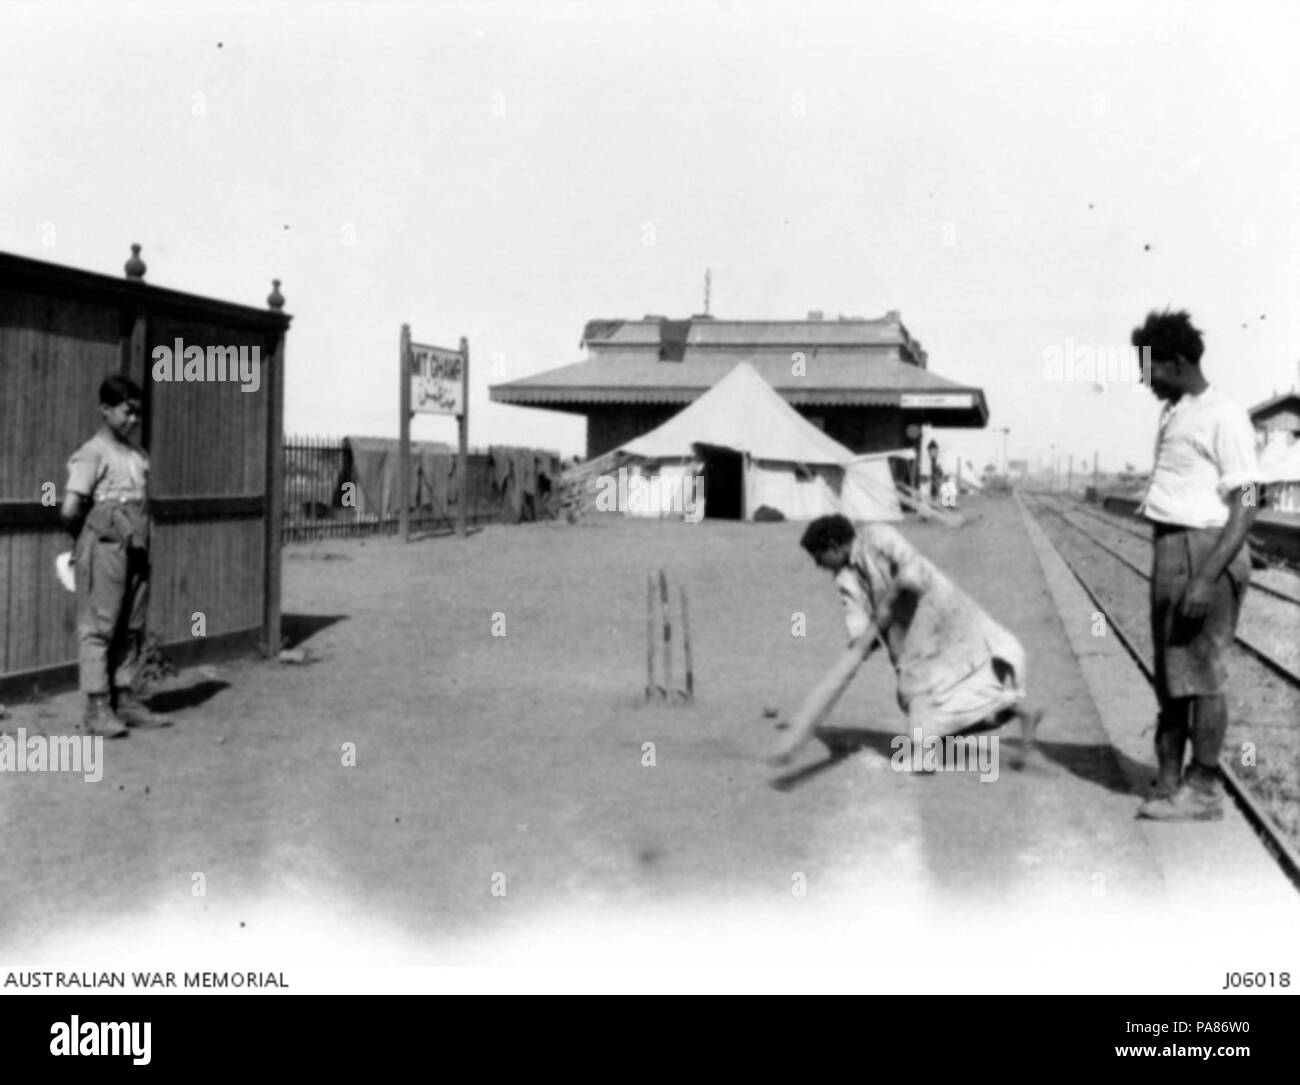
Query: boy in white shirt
[1201, 501]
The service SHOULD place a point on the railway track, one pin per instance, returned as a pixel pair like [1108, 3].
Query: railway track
[1278, 651]
[1127, 524]
[1269, 713]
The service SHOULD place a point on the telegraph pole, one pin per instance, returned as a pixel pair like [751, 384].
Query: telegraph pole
[1006, 463]
[404, 435]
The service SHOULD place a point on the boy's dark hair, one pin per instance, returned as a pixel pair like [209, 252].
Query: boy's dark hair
[118, 389]
[826, 533]
[1170, 335]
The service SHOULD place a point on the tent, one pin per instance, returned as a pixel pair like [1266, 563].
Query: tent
[868, 491]
[967, 476]
[759, 458]
[1279, 461]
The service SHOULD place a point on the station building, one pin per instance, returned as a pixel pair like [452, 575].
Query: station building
[865, 383]
[1277, 431]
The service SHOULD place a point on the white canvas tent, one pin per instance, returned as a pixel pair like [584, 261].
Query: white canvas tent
[1280, 462]
[868, 491]
[756, 452]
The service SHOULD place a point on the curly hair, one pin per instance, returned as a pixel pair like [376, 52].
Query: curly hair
[826, 533]
[1170, 335]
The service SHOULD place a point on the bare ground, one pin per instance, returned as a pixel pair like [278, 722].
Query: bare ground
[501, 808]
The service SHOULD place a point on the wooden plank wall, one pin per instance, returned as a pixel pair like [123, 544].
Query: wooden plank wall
[206, 438]
[212, 566]
[38, 617]
[55, 352]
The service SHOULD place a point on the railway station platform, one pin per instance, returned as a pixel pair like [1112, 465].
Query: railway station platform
[1204, 865]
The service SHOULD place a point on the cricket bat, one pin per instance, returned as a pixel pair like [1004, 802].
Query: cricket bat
[824, 696]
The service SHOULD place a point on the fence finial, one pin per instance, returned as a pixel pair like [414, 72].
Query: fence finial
[275, 299]
[135, 267]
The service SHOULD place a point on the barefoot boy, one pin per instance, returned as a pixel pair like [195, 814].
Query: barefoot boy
[1201, 501]
[958, 670]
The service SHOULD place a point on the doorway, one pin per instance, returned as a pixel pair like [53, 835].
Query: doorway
[724, 482]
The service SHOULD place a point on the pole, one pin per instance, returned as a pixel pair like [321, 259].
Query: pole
[404, 442]
[462, 518]
[1096, 478]
[686, 646]
[668, 635]
[649, 636]
[1069, 478]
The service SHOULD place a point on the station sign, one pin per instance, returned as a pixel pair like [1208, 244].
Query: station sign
[918, 400]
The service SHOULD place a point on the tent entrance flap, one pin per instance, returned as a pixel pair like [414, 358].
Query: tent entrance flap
[724, 482]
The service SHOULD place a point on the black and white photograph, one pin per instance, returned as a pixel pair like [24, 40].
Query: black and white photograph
[650, 497]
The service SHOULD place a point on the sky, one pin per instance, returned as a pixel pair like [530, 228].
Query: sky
[1019, 180]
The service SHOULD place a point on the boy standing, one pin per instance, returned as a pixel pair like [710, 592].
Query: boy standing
[957, 669]
[106, 510]
[1201, 502]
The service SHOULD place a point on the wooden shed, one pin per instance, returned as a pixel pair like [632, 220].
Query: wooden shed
[216, 474]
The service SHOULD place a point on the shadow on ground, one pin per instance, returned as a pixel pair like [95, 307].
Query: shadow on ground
[174, 700]
[297, 628]
[442, 533]
[1097, 763]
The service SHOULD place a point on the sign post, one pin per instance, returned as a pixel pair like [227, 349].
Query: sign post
[435, 380]
[462, 468]
[404, 444]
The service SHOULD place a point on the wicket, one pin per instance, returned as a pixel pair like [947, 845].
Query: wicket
[666, 690]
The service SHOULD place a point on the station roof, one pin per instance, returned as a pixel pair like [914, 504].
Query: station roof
[825, 381]
[1287, 401]
[710, 332]
[848, 362]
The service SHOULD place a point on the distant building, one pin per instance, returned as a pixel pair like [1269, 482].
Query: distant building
[1018, 470]
[865, 383]
[1281, 414]
[1277, 428]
